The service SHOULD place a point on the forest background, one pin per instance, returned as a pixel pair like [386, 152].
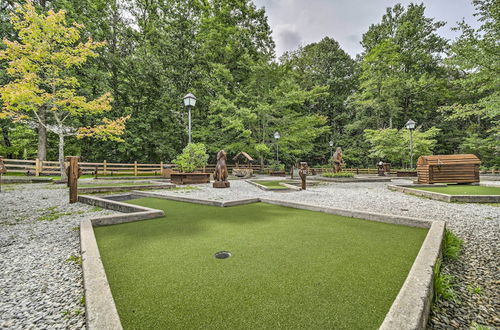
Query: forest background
[222, 51]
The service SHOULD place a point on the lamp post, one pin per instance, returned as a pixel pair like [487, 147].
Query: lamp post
[189, 102]
[411, 126]
[277, 137]
[331, 148]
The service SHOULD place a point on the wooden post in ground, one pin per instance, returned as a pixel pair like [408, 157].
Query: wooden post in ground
[38, 167]
[135, 168]
[104, 167]
[161, 168]
[73, 174]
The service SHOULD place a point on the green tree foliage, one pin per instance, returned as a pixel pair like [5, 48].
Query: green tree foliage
[153, 52]
[476, 55]
[40, 65]
[401, 73]
[192, 157]
[392, 145]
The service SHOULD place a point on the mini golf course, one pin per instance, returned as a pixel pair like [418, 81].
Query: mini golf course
[289, 268]
[464, 190]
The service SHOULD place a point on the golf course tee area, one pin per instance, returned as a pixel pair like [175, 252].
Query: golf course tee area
[288, 268]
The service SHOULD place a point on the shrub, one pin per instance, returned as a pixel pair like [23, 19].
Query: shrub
[452, 245]
[338, 175]
[193, 156]
[277, 167]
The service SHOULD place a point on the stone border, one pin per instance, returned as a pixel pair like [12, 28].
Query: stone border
[410, 189]
[8, 179]
[93, 190]
[410, 309]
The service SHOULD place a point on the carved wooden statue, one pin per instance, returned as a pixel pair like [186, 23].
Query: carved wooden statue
[337, 160]
[303, 174]
[220, 174]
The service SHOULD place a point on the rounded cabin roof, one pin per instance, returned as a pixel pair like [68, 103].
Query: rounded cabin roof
[458, 159]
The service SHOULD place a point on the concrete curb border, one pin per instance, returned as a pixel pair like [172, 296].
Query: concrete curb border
[409, 189]
[410, 309]
[93, 190]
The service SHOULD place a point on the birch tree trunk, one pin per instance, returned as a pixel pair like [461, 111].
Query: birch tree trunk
[61, 156]
[42, 135]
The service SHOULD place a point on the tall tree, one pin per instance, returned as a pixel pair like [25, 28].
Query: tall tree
[41, 65]
[402, 75]
[476, 55]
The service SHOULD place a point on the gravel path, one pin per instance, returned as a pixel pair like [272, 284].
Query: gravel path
[40, 274]
[477, 225]
[40, 288]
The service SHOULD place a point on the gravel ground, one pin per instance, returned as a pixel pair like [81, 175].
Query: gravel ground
[41, 289]
[40, 274]
[477, 225]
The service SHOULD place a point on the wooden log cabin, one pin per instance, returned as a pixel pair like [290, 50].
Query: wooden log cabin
[462, 168]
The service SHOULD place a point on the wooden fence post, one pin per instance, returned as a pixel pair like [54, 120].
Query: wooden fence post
[135, 168]
[105, 167]
[73, 174]
[37, 167]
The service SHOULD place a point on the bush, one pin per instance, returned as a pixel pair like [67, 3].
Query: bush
[338, 175]
[193, 156]
[277, 167]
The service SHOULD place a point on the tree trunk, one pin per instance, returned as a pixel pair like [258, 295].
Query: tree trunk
[61, 157]
[6, 140]
[42, 136]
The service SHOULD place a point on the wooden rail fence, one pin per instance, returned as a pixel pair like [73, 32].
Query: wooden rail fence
[37, 167]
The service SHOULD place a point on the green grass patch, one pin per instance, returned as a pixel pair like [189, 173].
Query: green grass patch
[290, 268]
[52, 214]
[464, 190]
[452, 245]
[272, 184]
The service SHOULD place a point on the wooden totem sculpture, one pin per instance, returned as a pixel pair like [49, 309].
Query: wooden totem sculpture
[337, 160]
[220, 174]
[303, 174]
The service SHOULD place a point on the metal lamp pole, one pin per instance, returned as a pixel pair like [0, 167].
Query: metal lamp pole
[331, 149]
[277, 137]
[411, 126]
[189, 102]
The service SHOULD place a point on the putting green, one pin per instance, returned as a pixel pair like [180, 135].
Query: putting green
[271, 184]
[289, 268]
[464, 190]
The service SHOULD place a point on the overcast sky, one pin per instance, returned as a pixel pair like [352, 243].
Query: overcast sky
[300, 22]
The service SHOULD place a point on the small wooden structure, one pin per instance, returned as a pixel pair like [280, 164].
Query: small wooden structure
[243, 170]
[189, 178]
[462, 168]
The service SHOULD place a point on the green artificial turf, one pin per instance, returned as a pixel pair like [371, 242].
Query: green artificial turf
[290, 269]
[464, 190]
[271, 184]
